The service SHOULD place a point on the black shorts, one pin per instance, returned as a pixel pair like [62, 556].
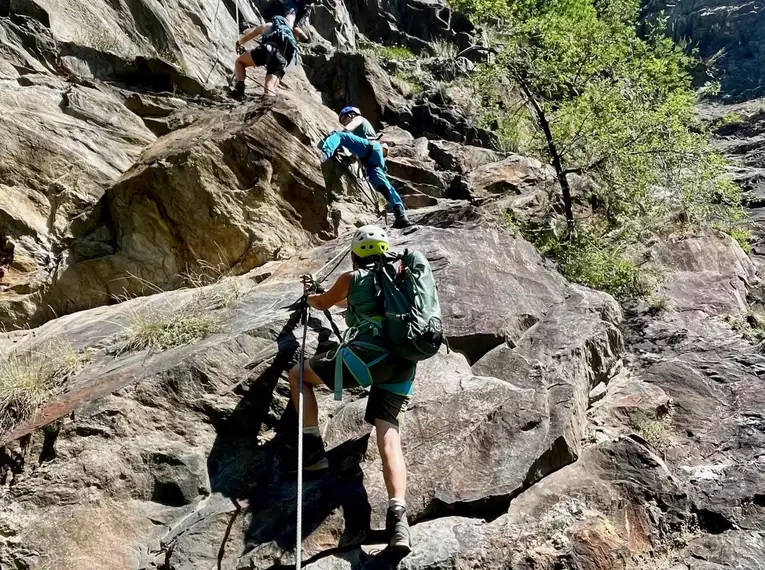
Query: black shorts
[269, 56]
[382, 404]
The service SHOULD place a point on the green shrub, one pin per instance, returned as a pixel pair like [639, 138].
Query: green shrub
[658, 304]
[29, 378]
[591, 259]
[575, 84]
[751, 327]
[656, 431]
[408, 82]
[102, 40]
[443, 49]
[729, 120]
[394, 53]
[743, 236]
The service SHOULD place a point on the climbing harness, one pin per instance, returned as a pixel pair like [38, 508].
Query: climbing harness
[301, 367]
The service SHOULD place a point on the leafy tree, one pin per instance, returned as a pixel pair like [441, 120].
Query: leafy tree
[593, 97]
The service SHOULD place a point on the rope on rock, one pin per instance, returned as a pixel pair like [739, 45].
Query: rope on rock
[217, 59]
[215, 21]
[299, 524]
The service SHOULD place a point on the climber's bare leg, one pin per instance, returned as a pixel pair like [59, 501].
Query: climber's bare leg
[242, 63]
[270, 86]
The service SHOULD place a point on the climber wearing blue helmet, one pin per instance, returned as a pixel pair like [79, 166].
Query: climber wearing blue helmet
[356, 139]
[353, 122]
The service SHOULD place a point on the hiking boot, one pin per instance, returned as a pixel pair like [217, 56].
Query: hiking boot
[238, 91]
[401, 221]
[268, 98]
[397, 527]
[314, 456]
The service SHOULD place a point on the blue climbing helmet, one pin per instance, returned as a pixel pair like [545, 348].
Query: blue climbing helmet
[348, 111]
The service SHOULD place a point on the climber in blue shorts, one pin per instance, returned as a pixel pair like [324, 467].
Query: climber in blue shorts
[371, 155]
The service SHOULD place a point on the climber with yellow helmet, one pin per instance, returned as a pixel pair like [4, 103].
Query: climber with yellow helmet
[362, 361]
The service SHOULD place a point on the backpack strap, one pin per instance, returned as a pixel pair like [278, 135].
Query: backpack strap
[281, 28]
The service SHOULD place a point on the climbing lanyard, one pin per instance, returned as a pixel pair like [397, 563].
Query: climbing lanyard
[299, 524]
[356, 179]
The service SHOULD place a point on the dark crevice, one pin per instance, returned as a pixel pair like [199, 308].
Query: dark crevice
[487, 508]
[712, 522]
[232, 520]
[557, 456]
[475, 346]
[50, 435]
[168, 493]
[12, 461]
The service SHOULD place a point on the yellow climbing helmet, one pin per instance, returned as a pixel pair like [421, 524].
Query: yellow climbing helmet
[370, 240]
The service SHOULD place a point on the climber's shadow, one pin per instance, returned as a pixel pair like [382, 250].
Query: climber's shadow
[248, 462]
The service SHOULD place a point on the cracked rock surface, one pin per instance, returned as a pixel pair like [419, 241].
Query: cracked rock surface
[560, 432]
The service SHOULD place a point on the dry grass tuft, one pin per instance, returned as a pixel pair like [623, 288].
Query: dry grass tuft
[159, 329]
[28, 379]
[658, 432]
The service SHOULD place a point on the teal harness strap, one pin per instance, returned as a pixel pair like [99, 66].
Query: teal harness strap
[357, 367]
[404, 388]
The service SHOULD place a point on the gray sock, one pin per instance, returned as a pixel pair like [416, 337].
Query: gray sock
[396, 502]
[312, 430]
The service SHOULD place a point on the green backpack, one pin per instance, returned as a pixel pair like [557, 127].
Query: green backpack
[282, 38]
[412, 319]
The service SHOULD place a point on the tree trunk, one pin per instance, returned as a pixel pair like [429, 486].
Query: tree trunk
[551, 148]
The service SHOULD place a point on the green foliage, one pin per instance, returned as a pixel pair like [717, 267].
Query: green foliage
[658, 304]
[729, 120]
[742, 235]
[573, 83]
[394, 53]
[443, 49]
[751, 327]
[656, 431]
[102, 40]
[408, 82]
[596, 259]
[28, 378]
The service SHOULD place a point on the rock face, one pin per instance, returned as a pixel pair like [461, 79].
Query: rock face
[740, 134]
[137, 203]
[95, 207]
[734, 32]
[214, 190]
[501, 430]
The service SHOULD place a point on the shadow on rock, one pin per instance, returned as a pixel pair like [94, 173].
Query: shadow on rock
[250, 462]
